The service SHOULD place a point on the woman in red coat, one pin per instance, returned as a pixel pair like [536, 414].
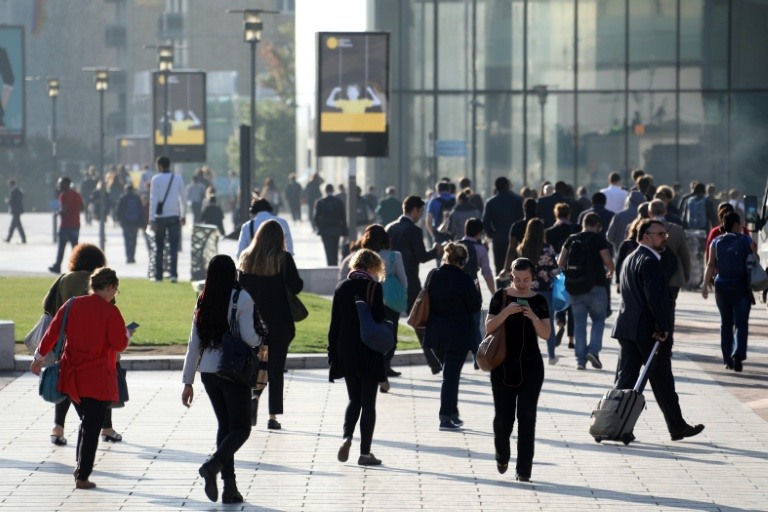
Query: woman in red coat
[95, 332]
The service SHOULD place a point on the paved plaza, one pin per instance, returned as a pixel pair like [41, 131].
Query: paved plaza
[295, 469]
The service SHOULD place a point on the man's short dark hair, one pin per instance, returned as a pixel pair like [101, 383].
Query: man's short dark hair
[443, 186]
[700, 189]
[163, 162]
[614, 177]
[329, 188]
[501, 184]
[412, 202]
[530, 208]
[465, 183]
[473, 227]
[562, 210]
[637, 173]
[260, 205]
[598, 198]
[591, 220]
[644, 225]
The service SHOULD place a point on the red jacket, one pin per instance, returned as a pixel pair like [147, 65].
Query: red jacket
[95, 333]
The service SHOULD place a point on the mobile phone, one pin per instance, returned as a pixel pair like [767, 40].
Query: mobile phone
[750, 212]
[132, 326]
[522, 302]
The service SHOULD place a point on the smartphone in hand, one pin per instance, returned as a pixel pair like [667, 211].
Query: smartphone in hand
[522, 302]
[132, 326]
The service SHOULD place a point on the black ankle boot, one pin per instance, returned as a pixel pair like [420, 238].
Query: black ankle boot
[209, 471]
[230, 494]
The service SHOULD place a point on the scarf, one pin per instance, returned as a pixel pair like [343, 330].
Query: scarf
[359, 274]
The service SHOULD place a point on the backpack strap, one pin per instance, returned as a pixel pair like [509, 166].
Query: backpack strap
[234, 328]
[250, 227]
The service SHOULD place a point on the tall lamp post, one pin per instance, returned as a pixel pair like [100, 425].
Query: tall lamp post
[101, 78]
[252, 27]
[53, 93]
[165, 65]
[542, 91]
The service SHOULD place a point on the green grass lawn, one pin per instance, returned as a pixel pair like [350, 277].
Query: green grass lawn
[164, 311]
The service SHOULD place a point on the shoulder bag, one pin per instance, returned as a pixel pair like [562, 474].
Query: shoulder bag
[32, 339]
[122, 387]
[758, 278]
[493, 349]
[160, 204]
[377, 336]
[298, 309]
[395, 294]
[420, 310]
[49, 379]
[238, 360]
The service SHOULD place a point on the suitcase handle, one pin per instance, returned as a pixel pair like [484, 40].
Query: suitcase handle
[642, 379]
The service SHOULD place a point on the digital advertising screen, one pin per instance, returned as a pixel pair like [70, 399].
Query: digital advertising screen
[353, 93]
[133, 151]
[12, 72]
[178, 115]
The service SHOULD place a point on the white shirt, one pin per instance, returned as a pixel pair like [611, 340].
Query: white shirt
[175, 204]
[614, 198]
[256, 222]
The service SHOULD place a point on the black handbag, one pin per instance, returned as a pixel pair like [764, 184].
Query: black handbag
[122, 387]
[239, 361]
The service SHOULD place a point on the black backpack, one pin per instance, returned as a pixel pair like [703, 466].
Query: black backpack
[580, 267]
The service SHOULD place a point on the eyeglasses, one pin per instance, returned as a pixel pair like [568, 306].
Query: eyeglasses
[662, 234]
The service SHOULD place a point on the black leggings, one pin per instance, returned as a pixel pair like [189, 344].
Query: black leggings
[91, 412]
[278, 354]
[232, 406]
[523, 401]
[362, 399]
[62, 408]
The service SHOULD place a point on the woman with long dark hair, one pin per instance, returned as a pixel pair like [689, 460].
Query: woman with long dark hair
[535, 248]
[268, 273]
[231, 401]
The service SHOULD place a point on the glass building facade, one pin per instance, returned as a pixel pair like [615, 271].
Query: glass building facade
[575, 89]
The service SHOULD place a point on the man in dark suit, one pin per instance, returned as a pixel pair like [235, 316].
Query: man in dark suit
[546, 204]
[15, 208]
[501, 211]
[330, 221]
[408, 238]
[645, 315]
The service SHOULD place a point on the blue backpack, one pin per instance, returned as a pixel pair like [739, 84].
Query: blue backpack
[696, 213]
[732, 250]
[132, 211]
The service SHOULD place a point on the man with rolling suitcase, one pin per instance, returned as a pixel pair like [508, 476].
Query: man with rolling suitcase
[644, 316]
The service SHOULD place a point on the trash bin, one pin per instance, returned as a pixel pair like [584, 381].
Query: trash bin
[149, 236]
[205, 245]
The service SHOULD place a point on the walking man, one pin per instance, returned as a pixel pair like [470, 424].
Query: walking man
[70, 206]
[15, 208]
[167, 213]
[645, 315]
[585, 258]
[330, 221]
[293, 193]
[129, 212]
[501, 211]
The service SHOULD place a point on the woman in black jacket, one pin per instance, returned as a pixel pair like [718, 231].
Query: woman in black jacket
[266, 271]
[453, 300]
[361, 368]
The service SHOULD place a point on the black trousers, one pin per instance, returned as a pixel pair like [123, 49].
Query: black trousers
[16, 224]
[499, 254]
[632, 357]
[394, 317]
[521, 401]
[232, 406]
[91, 412]
[130, 232]
[362, 406]
[278, 354]
[331, 246]
[62, 408]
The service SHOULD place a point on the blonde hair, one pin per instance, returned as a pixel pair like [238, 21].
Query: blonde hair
[101, 278]
[454, 253]
[263, 257]
[366, 259]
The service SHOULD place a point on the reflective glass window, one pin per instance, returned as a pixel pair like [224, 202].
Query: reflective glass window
[703, 44]
[501, 131]
[500, 29]
[601, 44]
[652, 134]
[749, 39]
[601, 139]
[749, 131]
[652, 44]
[455, 45]
[550, 43]
[550, 126]
[703, 137]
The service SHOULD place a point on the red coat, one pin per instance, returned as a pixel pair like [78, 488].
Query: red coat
[95, 333]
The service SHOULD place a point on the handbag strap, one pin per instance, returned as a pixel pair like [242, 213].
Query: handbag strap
[369, 292]
[234, 328]
[59, 347]
[170, 181]
[429, 278]
[391, 263]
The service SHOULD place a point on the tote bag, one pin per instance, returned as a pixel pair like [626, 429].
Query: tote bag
[395, 294]
[49, 379]
[32, 339]
[561, 300]
[758, 278]
[420, 310]
[378, 336]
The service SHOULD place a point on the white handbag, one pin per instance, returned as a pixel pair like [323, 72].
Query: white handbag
[32, 339]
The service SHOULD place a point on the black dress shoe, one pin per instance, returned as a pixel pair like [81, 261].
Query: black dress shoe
[501, 468]
[737, 364]
[522, 478]
[688, 431]
[392, 373]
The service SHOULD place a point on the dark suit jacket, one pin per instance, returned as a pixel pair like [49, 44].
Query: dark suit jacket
[407, 238]
[545, 208]
[453, 300]
[330, 216]
[15, 203]
[501, 211]
[645, 303]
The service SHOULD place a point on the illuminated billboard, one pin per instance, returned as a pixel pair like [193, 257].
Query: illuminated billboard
[12, 72]
[353, 94]
[179, 130]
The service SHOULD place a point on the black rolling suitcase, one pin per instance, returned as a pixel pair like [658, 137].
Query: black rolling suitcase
[617, 412]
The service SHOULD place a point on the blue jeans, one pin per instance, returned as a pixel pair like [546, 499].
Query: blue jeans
[593, 303]
[173, 225]
[449, 393]
[551, 340]
[734, 302]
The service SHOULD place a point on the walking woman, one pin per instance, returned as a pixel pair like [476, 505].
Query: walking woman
[361, 368]
[450, 330]
[535, 248]
[727, 263]
[267, 270]
[231, 401]
[517, 382]
[95, 333]
[85, 258]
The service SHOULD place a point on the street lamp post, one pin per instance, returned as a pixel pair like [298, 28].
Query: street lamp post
[53, 93]
[101, 78]
[165, 65]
